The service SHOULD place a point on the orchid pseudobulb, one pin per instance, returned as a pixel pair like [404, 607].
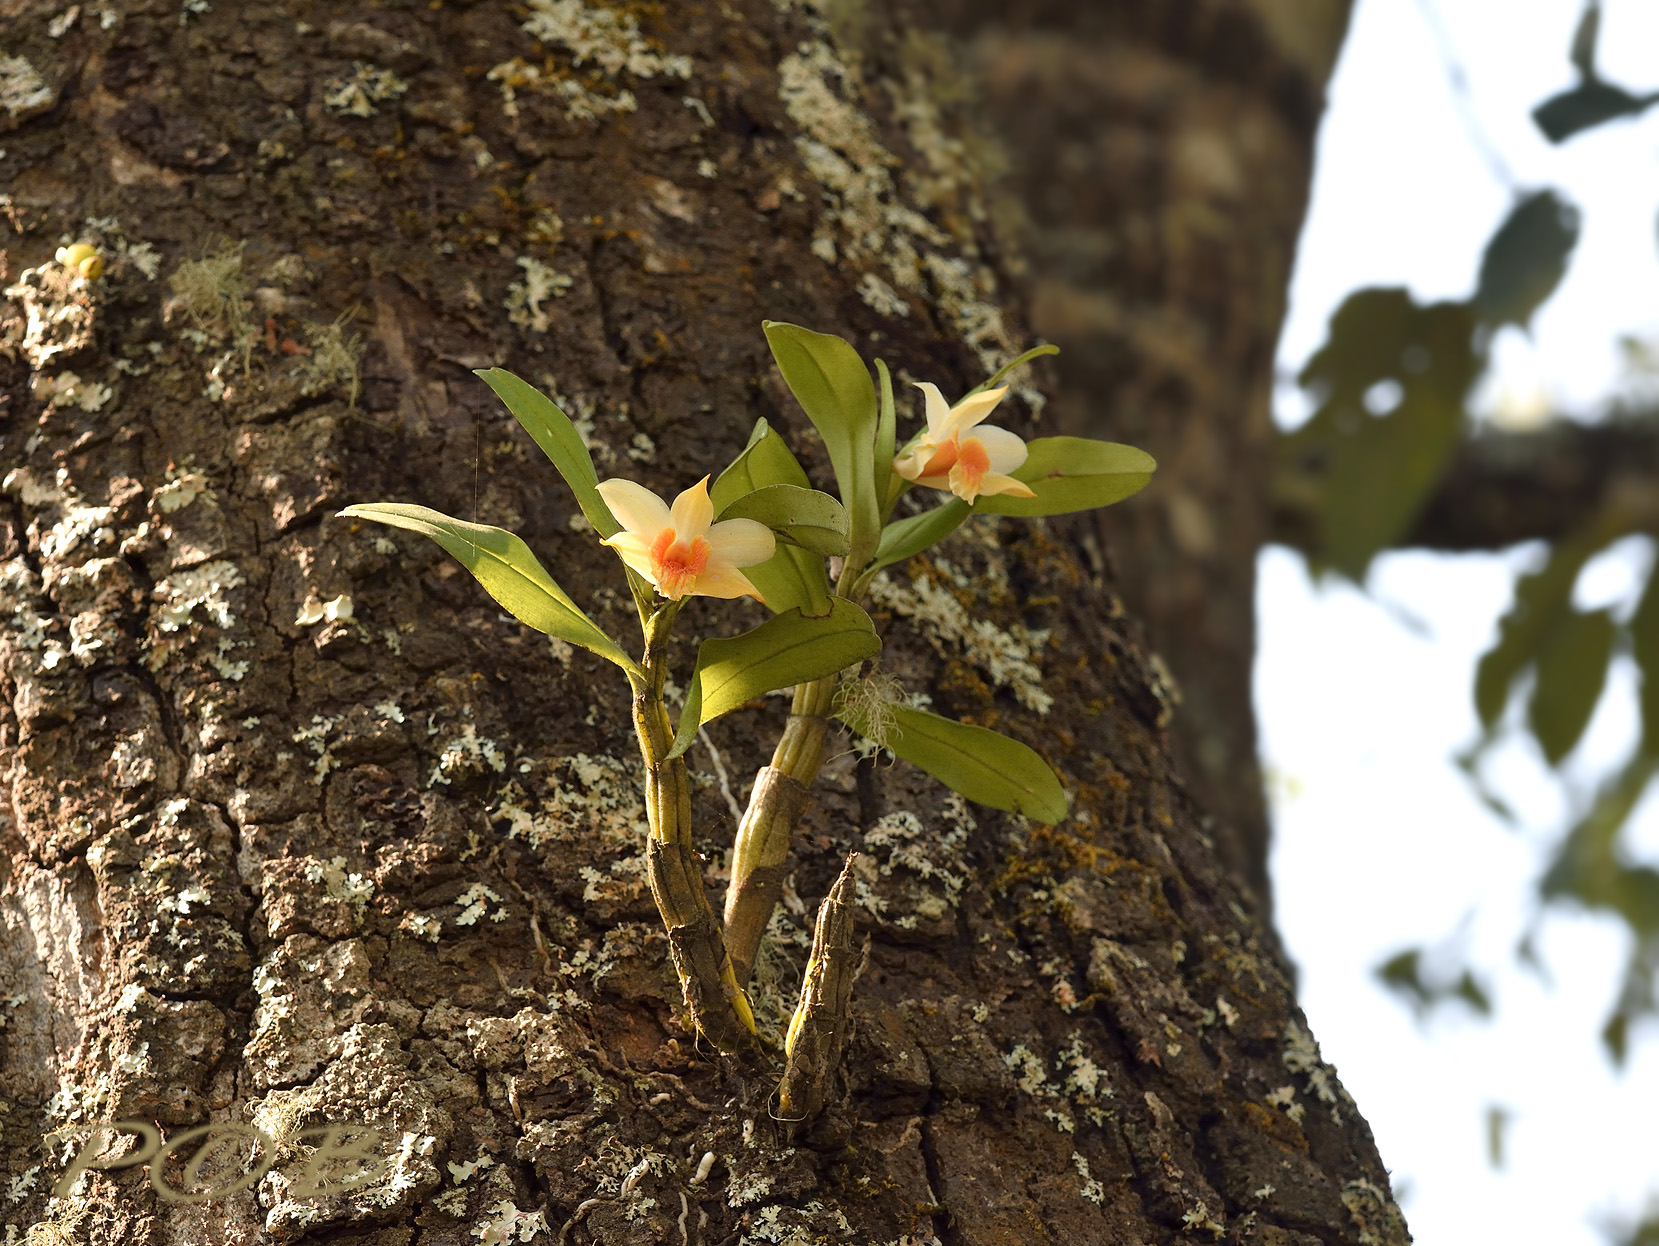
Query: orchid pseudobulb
[680, 549]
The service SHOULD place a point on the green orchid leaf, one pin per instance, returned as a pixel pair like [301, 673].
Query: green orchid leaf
[981, 764]
[551, 429]
[787, 649]
[1073, 474]
[908, 537]
[887, 421]
[806, 518]
[792, 579]
[1036, 352]
[509, 572]
[833, 386]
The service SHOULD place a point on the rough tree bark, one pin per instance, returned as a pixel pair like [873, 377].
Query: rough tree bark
[303, 832]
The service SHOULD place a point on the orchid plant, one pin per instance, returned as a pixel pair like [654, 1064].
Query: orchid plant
[762, 531]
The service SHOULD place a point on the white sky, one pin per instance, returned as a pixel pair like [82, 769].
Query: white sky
[1364, 699]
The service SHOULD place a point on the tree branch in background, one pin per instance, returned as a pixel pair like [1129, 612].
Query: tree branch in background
[1501, 488]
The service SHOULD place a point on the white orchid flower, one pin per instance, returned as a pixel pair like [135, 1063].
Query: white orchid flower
[681, 550]
[970, 464]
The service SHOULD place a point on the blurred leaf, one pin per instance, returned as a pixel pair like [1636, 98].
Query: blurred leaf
[1588, 866]
[1637, 999]
[792, 579]
[1583, 51]
[787, 649]
[1073, 474]
[983, 765]
[507, 569]
[1497, 1124]
[1644, 634]
[1542, 597]
[1403, 973]
[1644, 1233]
[833, 386]
[1365, 475]
[1572, 669]
[1470, 992]
[1526, 259]
[906, 538]
[551, 429]
[804, 517]
[1589, 104]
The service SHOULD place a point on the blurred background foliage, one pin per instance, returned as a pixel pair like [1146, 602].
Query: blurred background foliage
[1394, 456]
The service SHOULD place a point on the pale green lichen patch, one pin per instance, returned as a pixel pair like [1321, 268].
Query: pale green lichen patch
[1301, 1057]
[367, 86]
[870, 220]
[921, 867]
[23, 92]
[333, 360]
[1376, 1217]
[600, 40]
[477, 901]
[1091, 1188]
[466, 755]
[505, 1223]
[1008, 657]
[67, 389]
[526, 299]
[609, 38]
[49, 311]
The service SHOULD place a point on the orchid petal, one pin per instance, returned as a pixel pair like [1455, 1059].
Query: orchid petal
[636, 508]
[693, 511]
[938, 410]
[739, 543]
[970, 411]
[994, 482]
[633, 549]
[726, 582]
[1006, 450]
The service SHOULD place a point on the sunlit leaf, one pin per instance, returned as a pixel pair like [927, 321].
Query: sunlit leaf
[1526, 259]
[509, 572]
[1073, 474]
[833, 386]
[887, 422]
[1585, 106]
[906, 538]
[805, 517]
[551, 429]
[787, 649]
[981, 764]
[792, 579]
[890, 486]
[1572, 669]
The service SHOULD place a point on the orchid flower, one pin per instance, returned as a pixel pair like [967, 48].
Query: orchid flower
[969, 464]
[681, 550]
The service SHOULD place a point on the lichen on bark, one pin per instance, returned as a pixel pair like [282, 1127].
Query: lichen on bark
[271, 864]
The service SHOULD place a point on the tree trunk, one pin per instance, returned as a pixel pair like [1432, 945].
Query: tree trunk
[303, 832]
